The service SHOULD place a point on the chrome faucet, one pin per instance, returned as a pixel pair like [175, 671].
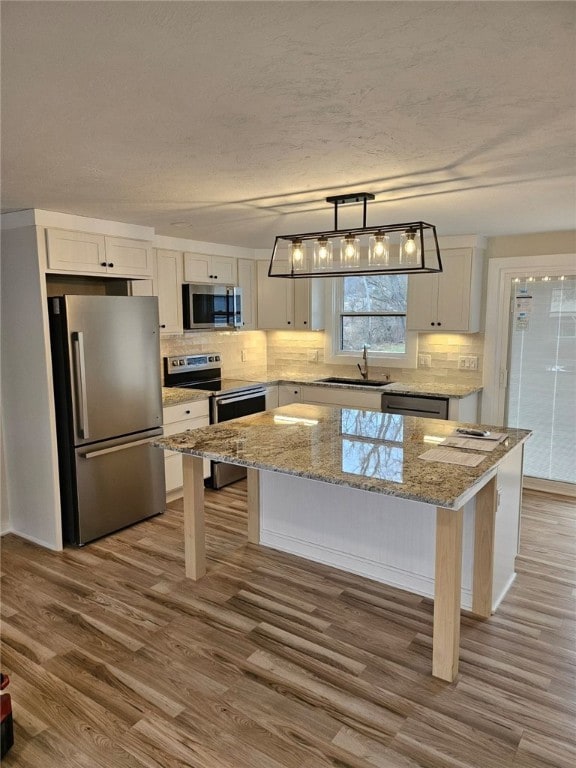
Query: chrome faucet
[364, 372]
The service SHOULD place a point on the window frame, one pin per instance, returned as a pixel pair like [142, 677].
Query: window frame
[333, 352]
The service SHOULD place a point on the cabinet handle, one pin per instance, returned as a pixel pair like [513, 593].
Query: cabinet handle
[289, 322]
[103, 264]
[163, 325]
[439, 323]
[432, 323]
[215, 277]
[187, 412]
[110, 264]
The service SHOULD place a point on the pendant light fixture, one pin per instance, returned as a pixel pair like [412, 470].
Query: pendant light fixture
[408, 248]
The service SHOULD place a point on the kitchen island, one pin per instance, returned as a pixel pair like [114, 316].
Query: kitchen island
[349, 488]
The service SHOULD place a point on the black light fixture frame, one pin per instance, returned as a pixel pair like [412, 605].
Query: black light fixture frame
[417, 227]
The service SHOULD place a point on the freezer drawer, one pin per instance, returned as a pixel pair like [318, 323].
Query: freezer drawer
[118, 482]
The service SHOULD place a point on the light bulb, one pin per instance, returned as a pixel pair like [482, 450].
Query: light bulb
[322, 253]
[349, 251]
[409, 247]
[378, 249]
[298, 254]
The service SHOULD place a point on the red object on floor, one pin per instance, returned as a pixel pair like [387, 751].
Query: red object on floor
[6, 724]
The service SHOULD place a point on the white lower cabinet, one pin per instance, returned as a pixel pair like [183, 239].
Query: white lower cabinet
[288, 393]
[271, 397]
[346, 398]
[180, 418]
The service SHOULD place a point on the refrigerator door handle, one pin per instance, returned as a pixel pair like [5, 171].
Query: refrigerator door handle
[80, 383]
[121, 447]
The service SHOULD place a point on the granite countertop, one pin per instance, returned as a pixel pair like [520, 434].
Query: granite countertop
[177, 395]
[430, 388]
[369, 450]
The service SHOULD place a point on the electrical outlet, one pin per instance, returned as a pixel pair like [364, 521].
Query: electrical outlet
[468, 362]
[312, 355]
[244, 355]
[424, 361]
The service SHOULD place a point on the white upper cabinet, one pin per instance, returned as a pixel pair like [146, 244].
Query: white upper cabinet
[75, 251]
[169, 285]
[130, 258]
[449, 300]
[86, 253]
[285, 304]
[247, 284]
[204, 268]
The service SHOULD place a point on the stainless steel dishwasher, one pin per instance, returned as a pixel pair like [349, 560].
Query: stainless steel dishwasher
[425, 406]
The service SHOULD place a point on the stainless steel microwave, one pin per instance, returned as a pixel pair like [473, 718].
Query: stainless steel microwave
[208, 306]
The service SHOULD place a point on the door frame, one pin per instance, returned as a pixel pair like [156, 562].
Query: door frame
[497, 331]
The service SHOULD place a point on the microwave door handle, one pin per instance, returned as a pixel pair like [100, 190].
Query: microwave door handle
[236, 319]
[80, 383]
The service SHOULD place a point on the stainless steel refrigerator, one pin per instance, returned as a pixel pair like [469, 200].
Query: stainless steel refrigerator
[105, 354]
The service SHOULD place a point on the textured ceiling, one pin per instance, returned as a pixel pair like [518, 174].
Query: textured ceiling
[232, 121]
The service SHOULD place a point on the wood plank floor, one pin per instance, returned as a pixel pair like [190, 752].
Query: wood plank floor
[117, 661]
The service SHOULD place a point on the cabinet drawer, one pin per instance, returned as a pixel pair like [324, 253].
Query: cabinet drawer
[185, 412]
[181, 426]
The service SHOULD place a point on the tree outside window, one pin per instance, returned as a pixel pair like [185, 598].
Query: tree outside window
[373, 312]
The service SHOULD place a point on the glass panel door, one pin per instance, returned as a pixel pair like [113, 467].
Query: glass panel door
[542, 376]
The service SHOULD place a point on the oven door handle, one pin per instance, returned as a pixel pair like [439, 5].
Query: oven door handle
[225, 399]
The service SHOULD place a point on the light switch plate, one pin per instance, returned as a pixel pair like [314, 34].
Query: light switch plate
[424, 361]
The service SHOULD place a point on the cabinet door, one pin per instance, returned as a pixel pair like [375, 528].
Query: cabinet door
[75, 251]
[275, 300]
[169, 281]
[224, 270]
[272, 397]
[247, 283]
[128, 257]
[454, 292]
[422, 302]
[288, 393]
[202, 268]
[450, 300]
[309, 304]
[197, 268]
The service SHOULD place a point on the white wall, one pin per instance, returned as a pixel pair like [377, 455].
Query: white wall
[538, 244]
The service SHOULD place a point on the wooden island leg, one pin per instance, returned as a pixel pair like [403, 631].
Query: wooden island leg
[194, 532]
[447, 586]
[253, 506]
[484, 528]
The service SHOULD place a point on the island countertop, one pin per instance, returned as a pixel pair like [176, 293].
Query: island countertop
[369, 450]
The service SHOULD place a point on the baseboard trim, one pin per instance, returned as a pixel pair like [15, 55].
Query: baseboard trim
[549, 486]
[385, 574]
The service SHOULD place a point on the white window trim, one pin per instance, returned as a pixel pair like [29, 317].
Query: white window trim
[332, 353]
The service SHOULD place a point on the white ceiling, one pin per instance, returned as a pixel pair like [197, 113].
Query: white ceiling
[232, 121]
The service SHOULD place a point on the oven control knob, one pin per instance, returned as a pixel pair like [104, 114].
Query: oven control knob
[210, 359]
[181, 362]
[217, 358]
[174, 363]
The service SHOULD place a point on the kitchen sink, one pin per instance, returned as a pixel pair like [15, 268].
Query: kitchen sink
[355, 382]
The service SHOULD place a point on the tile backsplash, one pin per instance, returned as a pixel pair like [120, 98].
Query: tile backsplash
[253, 354]
[232, 346]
